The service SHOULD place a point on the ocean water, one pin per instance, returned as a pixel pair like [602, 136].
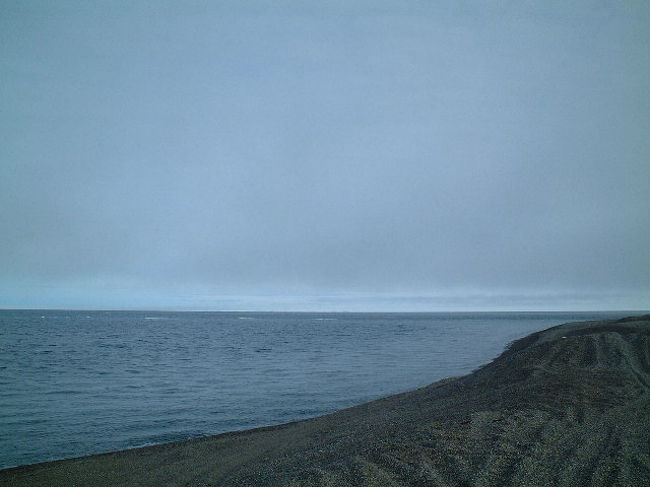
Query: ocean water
[74, 383]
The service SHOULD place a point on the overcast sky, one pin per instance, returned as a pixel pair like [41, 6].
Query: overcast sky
[330, 155]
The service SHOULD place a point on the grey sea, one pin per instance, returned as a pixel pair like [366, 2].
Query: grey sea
[75, 383]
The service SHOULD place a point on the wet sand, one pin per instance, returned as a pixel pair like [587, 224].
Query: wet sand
[566, 406]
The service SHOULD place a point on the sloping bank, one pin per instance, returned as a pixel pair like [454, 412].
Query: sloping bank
[566, 406]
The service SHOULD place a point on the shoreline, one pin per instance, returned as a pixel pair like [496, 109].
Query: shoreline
[545, 411]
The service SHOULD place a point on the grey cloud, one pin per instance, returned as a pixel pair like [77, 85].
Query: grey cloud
[306, 150]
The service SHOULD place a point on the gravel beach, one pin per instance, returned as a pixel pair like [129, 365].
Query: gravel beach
[566, 406]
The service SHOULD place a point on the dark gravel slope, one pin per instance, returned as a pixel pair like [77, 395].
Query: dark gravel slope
[566, 406]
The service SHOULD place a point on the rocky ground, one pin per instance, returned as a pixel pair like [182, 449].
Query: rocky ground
[566, 406]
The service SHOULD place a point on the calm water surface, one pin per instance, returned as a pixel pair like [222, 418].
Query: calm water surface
[79, 382]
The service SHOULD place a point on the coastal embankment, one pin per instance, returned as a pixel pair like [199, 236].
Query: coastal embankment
[566, 406]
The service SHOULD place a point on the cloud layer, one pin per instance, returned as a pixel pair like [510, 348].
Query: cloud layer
[301, 149]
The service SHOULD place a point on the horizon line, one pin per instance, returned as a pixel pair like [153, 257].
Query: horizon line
[185, 310]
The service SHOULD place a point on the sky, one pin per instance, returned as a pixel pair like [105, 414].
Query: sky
[340, 155]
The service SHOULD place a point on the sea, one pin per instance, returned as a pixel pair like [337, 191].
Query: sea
[75, 383]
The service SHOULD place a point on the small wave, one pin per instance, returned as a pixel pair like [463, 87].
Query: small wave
[142, 445]
[26, 422]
